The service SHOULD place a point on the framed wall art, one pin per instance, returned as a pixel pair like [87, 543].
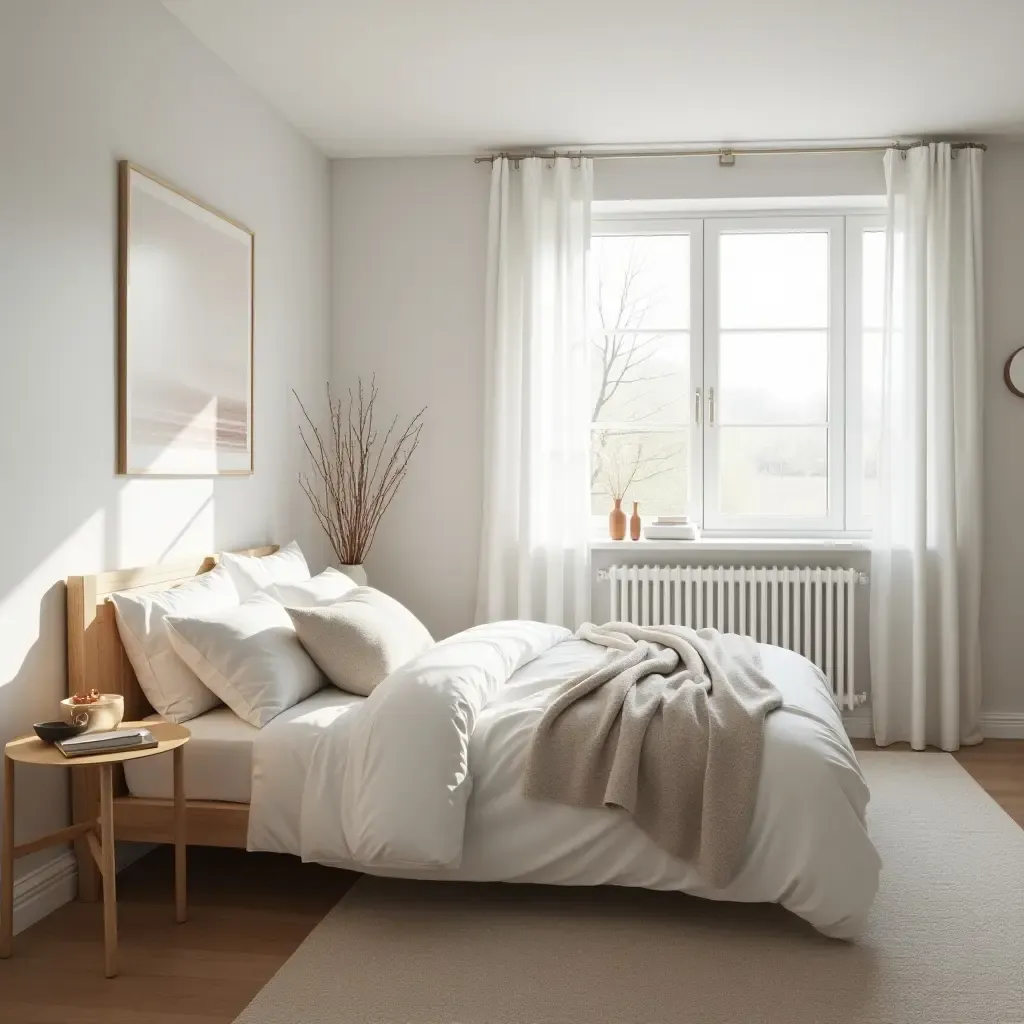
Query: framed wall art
[185, 367]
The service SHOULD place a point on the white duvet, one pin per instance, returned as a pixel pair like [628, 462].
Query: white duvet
[423, 779]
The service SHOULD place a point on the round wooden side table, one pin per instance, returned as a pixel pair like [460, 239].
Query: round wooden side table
[100, 833]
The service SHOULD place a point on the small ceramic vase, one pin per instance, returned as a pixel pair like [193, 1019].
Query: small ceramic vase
[634, 522]
[617, 522]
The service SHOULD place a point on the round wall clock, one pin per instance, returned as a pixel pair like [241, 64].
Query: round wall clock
[1013, 372]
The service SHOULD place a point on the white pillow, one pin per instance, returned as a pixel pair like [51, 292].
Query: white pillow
[251, 573]
[359, 641]
[249, 656]
[328, 587]
[168, 683]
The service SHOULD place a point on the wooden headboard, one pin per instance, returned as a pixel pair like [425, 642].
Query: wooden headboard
[96, 657]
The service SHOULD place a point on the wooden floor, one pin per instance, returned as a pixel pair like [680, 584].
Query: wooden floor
[997, 766]
[248, 914]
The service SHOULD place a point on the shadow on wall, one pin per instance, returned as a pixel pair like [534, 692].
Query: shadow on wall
[141, 521]
[27, 696]
[33, 638]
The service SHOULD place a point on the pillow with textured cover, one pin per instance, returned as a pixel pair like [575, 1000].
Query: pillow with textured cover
[249, 656]
[251, 573]
[361, 639]
[170, 686]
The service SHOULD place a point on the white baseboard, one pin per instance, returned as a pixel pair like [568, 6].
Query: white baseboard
[995, 725]
[858, 724]
[44, 889]
[51, 885]
[1002, 725]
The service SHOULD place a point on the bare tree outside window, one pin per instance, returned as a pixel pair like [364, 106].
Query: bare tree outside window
[638, 391]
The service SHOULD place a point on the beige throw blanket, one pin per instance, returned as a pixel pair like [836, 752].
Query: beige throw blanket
[669, 729]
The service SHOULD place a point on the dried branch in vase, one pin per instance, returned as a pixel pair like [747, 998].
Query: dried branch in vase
[618, 469]
[355, 472]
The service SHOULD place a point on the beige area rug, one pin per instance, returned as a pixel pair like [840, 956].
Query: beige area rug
[945, 943]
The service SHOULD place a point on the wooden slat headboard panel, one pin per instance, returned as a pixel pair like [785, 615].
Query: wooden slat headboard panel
[96, 656]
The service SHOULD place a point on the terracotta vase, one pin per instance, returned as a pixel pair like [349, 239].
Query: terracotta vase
[617, 522]
[634, 522]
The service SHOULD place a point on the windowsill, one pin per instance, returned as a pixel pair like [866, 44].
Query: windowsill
[708, 544]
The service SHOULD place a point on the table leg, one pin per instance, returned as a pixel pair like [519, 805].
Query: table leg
[109, 869]
[180, 907]
[7, 865]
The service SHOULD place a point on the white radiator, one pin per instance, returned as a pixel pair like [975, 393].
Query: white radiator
[810, 611]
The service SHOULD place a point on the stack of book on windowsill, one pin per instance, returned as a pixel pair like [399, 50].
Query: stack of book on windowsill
[118, 741]
[672, 528]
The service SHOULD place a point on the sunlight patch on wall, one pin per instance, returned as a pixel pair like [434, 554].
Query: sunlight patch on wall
[20, 607]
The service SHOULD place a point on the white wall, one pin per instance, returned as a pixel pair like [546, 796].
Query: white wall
[410, 241]
[1002, 597]
[848, 174]
[82, 85]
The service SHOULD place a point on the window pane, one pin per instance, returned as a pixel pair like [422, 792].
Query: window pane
[657, 461]
[774, 279]
[873, 279]
[871, 392]
[640, 378]
[639, 282]
[773, 471]
[773, 378]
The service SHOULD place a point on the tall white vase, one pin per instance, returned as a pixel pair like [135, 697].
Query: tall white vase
[356, 573]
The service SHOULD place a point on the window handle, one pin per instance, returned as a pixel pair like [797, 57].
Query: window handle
[696, 405]
[711, 406]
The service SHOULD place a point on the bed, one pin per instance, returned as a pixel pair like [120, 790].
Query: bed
[298, 784]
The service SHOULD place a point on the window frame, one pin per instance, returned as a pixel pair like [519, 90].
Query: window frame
[835, 454]
[693, 227]
[845, 220]
[856, 225]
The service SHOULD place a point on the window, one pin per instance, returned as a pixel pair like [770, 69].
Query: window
[736, 368]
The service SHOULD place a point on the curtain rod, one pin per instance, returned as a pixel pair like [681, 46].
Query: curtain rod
[726, 154]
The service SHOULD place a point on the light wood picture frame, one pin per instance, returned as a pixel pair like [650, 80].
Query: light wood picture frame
[185, 333]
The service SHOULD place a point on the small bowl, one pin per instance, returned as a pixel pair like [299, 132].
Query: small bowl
[104, 715]
[50, 732]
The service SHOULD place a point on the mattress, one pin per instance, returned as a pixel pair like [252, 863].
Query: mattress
[219, 756]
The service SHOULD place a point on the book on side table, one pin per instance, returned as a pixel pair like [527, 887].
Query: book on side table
[116, 741]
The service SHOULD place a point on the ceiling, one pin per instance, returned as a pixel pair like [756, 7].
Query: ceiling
[404, 77]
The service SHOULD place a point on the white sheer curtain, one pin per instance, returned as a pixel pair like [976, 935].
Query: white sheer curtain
[534, 557]
[926, 546]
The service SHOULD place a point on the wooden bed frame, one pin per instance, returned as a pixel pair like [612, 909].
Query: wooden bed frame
[96, 658]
